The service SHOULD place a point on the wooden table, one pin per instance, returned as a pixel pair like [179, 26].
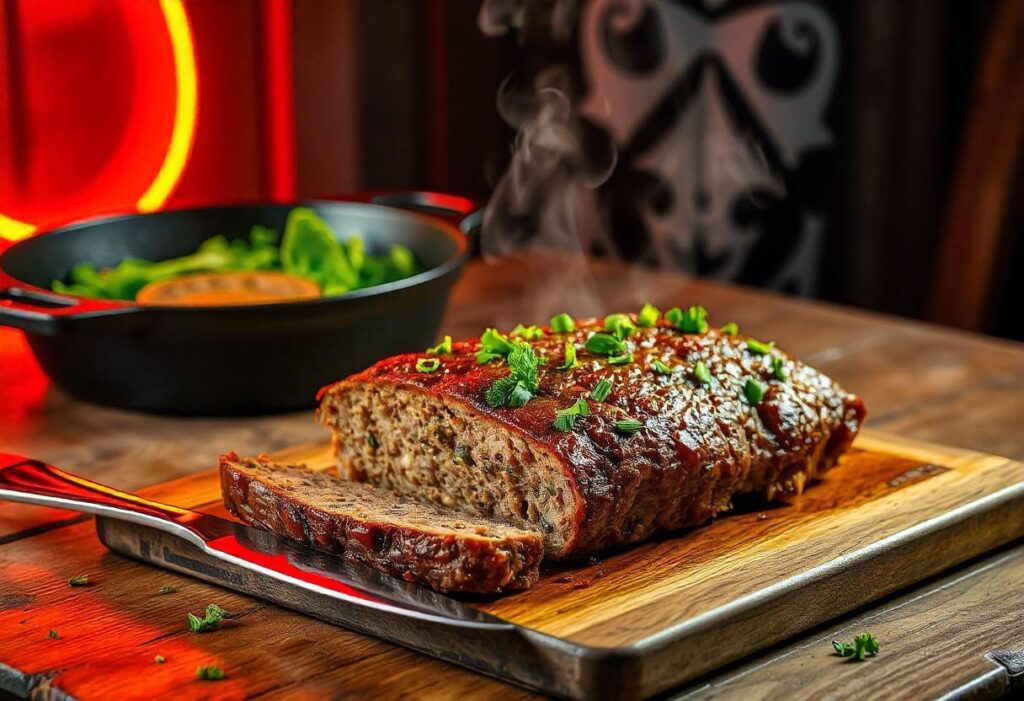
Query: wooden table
[963, 633]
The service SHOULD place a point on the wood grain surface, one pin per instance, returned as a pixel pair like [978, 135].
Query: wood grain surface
[918, 381]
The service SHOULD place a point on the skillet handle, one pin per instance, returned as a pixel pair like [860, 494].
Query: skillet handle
[463, 212]
[37, 310]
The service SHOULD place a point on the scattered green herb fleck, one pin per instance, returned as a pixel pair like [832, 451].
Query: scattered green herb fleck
[619, 325]
[210, 621]
[661, 368]
[209, 672]
[648, 316]
[570, 357]
[80, 580]
[779, 368]
[371, 440]
[562, 323]
[159, 659]
[628, 426]
[758, 348]
[693, 320]
[165, 589]
[624, 359]
[53, 634]
[864, 645]
[674, 316]
[442, 348]
[701, 373]
[461, 455]
[754, 390]
[427, 364]
[493, 346]
[731, 329]
[604, 344]
[565, 419]
[601, 390]
[529, 333]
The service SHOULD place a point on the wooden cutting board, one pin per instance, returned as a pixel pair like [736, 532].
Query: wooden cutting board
[638, 622]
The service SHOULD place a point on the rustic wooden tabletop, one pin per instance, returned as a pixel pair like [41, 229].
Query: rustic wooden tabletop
[962, 633]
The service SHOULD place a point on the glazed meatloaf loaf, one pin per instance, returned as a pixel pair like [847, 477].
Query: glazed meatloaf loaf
[593, 432]
[414, 540]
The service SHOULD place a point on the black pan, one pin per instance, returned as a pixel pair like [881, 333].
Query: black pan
[227, 360]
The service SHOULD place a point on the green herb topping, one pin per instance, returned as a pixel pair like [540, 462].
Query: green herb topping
[165, 589]
[701, 373]
[754, 390]
[529, 333]
[209, 672]
[693, 320]
[562, 323]
[516, 388]
[624, 359]
[648, 316]
[570, 357]
[53, 634]
[864, 645]
[442, 348]
[661, 368]
[601, 390]
[628, 426]
[80, 580]
[779, 368]
[731, 329]
[604, 344]
[493, 346]
[159, 659]
[758, 348]
[619, 325]
[427, 364]
[565, 419]
[210, 621]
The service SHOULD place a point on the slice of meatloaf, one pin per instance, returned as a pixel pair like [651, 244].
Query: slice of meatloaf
[703, 437]
[419, 542]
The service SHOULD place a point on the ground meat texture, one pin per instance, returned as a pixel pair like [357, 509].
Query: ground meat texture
[417, 541]
[432, 435]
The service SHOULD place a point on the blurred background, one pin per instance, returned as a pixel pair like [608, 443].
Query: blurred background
[865, 152]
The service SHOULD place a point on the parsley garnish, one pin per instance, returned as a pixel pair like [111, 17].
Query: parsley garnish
[648, 316]
[493, 346]
[661, 368]
[601, 390]
[442, 348]
[562, 323]
[754, 390]
[516, 388]
[731, 329]
[570, 357]
[210, 621]
[628, 426]
[758, 348]
[209, 672]
[565, 419]
[624, 359]
[530, 333]
[165, 589]
[507, 391]
[693, 320]
[619, 325]
[604, 344]
[701, 373]
[80, 580]
[863, 645]
[427, 364]
[778, 368]
[53, 634]
[159, 659]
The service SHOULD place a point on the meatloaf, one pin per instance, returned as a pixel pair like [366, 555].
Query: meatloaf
[692, 419]
[417, 541]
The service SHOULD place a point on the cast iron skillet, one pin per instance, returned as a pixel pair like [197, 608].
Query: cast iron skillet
[227, 360]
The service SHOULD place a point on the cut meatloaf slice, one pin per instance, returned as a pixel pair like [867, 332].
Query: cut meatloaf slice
[713, 415]
[417, 541]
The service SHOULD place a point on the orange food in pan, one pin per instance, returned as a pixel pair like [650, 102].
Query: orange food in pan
[234, 288]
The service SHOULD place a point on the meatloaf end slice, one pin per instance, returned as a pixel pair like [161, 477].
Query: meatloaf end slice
[417, 541]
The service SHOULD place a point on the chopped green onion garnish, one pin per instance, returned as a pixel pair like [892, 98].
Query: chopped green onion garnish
[210, 621]
[731, 329]
[648, 316]
[628, 426]
[529, 333]
[427, 364]
[562, 323]
[693, 320]
[80, 580]
[209, 672]
[159, 659]
[701, 373]
[603, 344]
[601, 390]
[53, 634]
[674, 316]
[493, 346]
[570, 357]
[165, 589]
[779, 368]
[442, 348]
[565, 419]
[864, 645]
[623, 359]
[660, 368]
[754, 390]
[619, 325]
[758, 348]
